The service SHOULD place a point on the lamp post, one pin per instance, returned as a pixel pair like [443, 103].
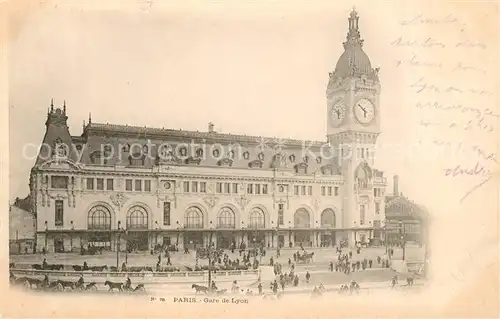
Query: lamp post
[71, 236]
[402, 237]
[46, 233]
[355, 233]
[370, 228]
[178, 230]
[126, 245]
[118, 246]
[157, 227]
[210, 251]
[317, 233]
[242, 231]
[272, 233]
[385, 236]
[289, 233]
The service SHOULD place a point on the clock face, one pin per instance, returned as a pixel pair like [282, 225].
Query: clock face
[364, 111]
[338, 113]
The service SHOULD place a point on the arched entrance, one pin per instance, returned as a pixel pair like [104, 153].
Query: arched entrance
[256, 222]
[99, 220]
[193, 223]
[302, 222]
[137, 229]
[327, 222]
[226, 223]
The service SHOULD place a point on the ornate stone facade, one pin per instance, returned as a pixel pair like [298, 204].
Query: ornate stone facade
[166, 186]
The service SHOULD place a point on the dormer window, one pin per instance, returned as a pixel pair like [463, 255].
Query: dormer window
[260, 156]
[165, 152]
[231, 154]
[301, 168]
[97, 159]
[126, 148]
[292, 158]
[246, 155]
[145, 149]
[318, 159]
[216, 153]
[136, 160]
[183, 151]
[199, 152]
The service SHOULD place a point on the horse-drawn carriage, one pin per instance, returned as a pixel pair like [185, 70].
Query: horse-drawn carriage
[203, 253]
[305, 258]
[92, 250]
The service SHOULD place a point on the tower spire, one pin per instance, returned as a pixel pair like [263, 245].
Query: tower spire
[52, 105]
[353, 36]
[64, 107]
[90, 117]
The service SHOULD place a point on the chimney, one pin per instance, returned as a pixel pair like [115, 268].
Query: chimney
[395, 191]
[210, 127]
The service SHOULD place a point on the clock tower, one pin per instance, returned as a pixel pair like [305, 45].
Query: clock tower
[353, 124]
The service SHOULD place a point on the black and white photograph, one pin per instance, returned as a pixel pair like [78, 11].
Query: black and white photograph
[246, 153]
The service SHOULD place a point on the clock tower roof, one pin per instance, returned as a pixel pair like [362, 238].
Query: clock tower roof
[354, 61]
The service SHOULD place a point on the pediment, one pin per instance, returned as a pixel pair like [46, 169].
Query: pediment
[225, 162]
[255, 164]
[328, 169]
[60, 164]
[301, 165]
[193, 160]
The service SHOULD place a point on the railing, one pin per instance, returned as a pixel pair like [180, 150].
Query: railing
[176, 274]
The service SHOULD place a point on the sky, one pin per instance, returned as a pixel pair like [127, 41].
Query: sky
[258, 69]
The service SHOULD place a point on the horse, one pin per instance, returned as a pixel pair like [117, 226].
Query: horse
[410, 281]
[29, 282]
[306, 258]
[37, 266]
[200, 288]
[221, 292]
[114, 285]
[91, 286]
[99, 268]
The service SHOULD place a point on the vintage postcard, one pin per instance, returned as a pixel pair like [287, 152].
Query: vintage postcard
[251, 158]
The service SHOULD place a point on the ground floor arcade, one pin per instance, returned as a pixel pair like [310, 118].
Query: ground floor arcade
[144, 240]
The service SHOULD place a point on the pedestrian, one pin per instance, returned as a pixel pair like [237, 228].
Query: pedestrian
[260, 288]
[350, 254]
[331, 266]
[308, 276]
[370, 262]
[168, 261]
[289, 262]
[294, 257]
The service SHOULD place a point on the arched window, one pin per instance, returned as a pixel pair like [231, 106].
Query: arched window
[99, 217]
[137, 217]
[328, 218]
[301, 219]
[225, 219]
[256, 218]
[193, 218]
[362, 179]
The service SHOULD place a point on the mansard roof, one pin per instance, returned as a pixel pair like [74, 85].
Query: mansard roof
[247, 148]
[401, 208]
[172, 134]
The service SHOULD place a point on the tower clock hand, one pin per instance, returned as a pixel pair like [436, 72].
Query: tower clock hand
[338, 114]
